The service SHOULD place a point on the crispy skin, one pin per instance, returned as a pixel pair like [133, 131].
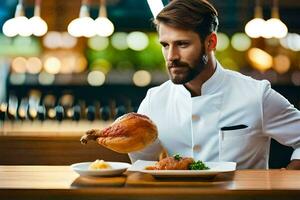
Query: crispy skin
[129, 133]
[170, 163]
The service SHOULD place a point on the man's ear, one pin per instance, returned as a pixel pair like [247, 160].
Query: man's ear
[211, 42]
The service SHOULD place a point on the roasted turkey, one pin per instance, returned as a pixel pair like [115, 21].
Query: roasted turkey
[130, 132]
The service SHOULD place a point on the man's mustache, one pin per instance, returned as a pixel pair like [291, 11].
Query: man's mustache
[177, 64]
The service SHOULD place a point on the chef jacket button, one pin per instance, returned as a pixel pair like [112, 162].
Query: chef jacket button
[196, 147]
[195, 117]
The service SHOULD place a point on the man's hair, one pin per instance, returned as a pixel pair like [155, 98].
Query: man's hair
[197, 15]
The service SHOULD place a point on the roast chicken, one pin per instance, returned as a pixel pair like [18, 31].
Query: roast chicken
[172, 163]
[130, 132]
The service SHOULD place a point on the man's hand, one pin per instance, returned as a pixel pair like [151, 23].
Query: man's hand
[294, 164]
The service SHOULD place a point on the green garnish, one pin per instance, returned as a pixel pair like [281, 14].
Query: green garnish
[177, 157]
[198, 165]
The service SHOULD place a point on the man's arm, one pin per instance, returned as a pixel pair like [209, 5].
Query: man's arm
[281, 121]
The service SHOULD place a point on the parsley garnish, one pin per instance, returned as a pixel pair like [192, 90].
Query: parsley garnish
[177, 157]
[197, 165]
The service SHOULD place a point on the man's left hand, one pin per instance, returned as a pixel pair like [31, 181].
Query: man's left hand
[294, 165]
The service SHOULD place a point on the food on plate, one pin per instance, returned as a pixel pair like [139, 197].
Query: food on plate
[130, 132]
[178, 163]
[100, 164]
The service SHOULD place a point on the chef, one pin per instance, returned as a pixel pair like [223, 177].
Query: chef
[205, 111]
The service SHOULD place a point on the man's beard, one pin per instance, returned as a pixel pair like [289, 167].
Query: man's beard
[190, 71]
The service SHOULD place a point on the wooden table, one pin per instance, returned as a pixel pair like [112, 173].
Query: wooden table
[60, 182]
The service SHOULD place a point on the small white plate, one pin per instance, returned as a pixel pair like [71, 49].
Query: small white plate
[83, 169]
[215, 168]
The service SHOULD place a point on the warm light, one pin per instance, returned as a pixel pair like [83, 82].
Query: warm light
[23, 26]
[240, 42]
[19, 64]
[32, 112]
[83, 26]
[67, 41]
[282, 64]
[260, 59]
[22, 112]
[255, 27]
[51, 113]
[96, 78]
[119, 41]
[81, 64]
[141, 78]
[52, 40]
[74, 28]
[223, 41]
[9, 28]
[38, 26]
[275, 28]
[34, 65]
[52, 65]
[3, 107]
[104, 27]
[155, 6]
[137, 41]
[70, 113]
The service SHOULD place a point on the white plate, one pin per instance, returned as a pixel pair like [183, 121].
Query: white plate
[83, 169]
[215, 168]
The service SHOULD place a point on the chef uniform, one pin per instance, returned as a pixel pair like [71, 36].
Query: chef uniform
[233, 120]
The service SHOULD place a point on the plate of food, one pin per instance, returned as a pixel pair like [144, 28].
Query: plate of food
[100, 168]
[177, 166]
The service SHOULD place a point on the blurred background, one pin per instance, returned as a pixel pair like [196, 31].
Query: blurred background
[92, 61]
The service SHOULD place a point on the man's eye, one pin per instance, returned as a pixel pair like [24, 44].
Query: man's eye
[183, 44]
[165, 45]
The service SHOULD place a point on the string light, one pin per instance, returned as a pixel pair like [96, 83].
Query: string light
[103, 26]
[255, 27]
[38, 25]
[274, 26]
[21, 25]
[84, 25]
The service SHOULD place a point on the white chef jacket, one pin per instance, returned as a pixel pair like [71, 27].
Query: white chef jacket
[193, 126]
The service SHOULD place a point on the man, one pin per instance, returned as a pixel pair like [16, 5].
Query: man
[205, 111]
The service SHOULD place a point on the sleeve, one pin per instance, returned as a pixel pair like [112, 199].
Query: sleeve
[281, 120]
[153, 151]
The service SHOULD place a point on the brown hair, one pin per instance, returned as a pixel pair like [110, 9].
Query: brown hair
[196, 15]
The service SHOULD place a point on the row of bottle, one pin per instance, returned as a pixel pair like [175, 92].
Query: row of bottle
[49, 107]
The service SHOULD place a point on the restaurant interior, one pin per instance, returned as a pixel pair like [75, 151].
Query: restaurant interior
[69, 66]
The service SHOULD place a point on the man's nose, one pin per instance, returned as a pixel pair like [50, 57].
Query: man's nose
[173, 54]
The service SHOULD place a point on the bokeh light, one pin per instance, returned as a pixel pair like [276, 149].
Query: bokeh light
[137, 41]
[141, 78]
[52, 65]
[240, 42]
[119, 40]
[223, 41]
[260, 59]
[96, 78]
[282, 63]
[98, 43]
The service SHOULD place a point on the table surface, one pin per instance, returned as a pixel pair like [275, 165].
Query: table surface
[60, 182]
